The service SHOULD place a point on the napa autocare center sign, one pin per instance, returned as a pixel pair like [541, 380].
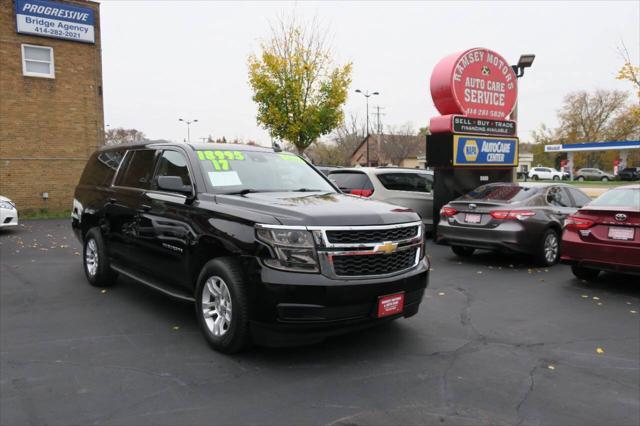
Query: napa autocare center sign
[55, 20]
[484, 151]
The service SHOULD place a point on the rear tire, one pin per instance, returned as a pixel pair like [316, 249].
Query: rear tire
[556, 178]
[605, 179]
[580, 178]
[549, 251]
[535, 177]
[586, 274]
[222, 305]
[96, 260]
[462, 251]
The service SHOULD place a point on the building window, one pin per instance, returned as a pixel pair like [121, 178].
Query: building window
[37, 61]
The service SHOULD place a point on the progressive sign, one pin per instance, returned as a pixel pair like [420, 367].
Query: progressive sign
[478, 150]
[55, 20]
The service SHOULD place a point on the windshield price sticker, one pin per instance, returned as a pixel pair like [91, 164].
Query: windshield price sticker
[291, 157]
[220, 158]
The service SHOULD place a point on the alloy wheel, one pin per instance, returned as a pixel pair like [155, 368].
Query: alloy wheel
[91, 257]
[551, 248]
[216, 306]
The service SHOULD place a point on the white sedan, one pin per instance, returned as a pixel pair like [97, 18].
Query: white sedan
[8, 213]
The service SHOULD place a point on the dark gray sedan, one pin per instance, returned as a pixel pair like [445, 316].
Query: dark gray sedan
[511, 217]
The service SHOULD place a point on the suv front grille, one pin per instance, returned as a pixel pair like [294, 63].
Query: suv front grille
[371, 235]
[378, 264]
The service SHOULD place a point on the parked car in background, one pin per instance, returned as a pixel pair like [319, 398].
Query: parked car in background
[539, 173]
[263, 244]
[326, 169]
[593, 174]
[8, 213]
[511, 217]
[629, 173]
[604, 235]
[411, 188]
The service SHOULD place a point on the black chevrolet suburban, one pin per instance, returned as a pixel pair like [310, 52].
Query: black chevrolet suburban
[268, 249]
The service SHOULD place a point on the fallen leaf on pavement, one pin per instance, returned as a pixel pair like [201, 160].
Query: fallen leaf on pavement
[175, 327]
[441, 293]
[596, 298]
[551, 367]
[103, 291]
[600, 350]
[634, 312]
[584, 296]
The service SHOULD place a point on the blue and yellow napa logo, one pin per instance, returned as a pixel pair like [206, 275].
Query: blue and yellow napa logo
[470, 150]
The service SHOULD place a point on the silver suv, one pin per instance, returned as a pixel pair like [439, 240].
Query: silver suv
[411, 188]
[593, 174]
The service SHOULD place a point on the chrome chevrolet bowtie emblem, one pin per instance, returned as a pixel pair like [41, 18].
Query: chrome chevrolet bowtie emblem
[386, 248]
[621, 217]
[472, 206]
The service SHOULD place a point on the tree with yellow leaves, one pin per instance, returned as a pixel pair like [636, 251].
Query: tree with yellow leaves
[298, 91]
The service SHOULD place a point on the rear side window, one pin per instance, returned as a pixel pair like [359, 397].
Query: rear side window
[505, 193]
[557, 196]
[349, 181]
[414, 182]
[173, 163]
[101, 168]
[580, 198]
[138, 169]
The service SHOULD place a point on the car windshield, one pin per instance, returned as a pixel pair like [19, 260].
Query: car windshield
[233, 171]
[504, 193]
[621, 197]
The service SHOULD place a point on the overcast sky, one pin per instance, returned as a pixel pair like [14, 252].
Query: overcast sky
[164, 60]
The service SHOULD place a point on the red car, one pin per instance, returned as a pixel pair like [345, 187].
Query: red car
[604, 235]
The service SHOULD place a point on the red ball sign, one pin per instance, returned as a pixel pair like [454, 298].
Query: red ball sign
[476, 83]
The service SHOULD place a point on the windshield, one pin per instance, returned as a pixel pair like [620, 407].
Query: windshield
[619, 197]
[506, 193]
[231, 171]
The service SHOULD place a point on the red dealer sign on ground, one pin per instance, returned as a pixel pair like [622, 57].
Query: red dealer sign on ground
[476, 83]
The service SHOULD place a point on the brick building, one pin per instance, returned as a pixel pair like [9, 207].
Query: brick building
[51, 110]
[391, 150]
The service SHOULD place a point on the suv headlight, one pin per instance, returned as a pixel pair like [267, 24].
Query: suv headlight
[293, 248]
[6, 205]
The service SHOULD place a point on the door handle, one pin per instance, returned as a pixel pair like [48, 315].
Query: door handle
[145, 207]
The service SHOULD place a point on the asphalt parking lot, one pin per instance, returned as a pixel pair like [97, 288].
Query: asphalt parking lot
[497, 341]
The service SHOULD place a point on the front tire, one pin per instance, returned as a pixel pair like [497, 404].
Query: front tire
[462, 251]
[96, 260]
[605, 179]
[222, 305]
[586, 274]
[581, 178]
[549, 251]
[556, 178]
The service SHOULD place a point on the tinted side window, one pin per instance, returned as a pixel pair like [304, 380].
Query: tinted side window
[172, 163]
[415, 182]
[348, 181]
[580, 198]
[101, 167]
[557, 196]
[138, 170]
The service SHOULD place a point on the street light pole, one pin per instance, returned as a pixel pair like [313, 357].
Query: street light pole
[367, 95]
[188, 123]
[525, 61]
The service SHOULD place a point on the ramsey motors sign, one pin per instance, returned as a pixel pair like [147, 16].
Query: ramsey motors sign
[476, 83]
[481, 151]
[55, 20]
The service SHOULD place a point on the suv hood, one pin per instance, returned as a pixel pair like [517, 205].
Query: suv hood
[320, 209]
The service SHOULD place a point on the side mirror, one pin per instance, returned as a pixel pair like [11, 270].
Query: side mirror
[173, 184]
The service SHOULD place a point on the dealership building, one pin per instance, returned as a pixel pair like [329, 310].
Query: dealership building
[51, 108]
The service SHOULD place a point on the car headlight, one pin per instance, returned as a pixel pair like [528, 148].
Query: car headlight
[6, 205]
[293, 249]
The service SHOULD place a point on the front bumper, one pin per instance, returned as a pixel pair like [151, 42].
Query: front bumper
[8, 218]
[294, 308]
[510, 236]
